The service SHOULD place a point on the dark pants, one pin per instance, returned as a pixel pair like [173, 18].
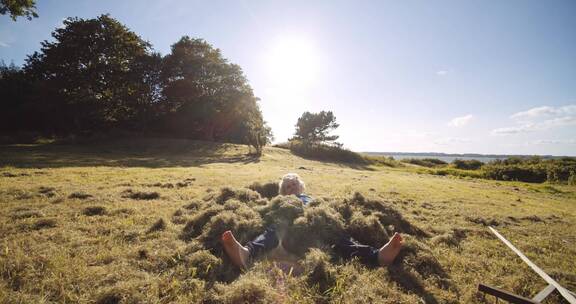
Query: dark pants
[346, 247]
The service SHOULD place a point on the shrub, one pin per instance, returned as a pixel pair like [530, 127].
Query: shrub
[326, 153]
[469, 164]
[425, 162]
[532, 170]
[530, 174]
[456, 172]
[382, 161]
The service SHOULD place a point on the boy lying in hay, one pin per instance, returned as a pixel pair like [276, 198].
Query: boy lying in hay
[344, 245]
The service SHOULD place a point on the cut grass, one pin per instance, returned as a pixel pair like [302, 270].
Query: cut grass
[116, 260]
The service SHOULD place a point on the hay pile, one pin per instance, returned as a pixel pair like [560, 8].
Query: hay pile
[308, 233]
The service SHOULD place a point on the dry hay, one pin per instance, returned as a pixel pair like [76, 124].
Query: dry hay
[94, 210]
[79, 195]
[308, 233]
[140, 195]
[267, 190]
[159, 225]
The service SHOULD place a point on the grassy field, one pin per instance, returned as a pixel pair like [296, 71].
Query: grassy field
[107, 223]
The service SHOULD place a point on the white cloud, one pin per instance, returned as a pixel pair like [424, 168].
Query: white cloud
[539, 119]
[4, 44]
[514, 130]
[461, 121]
[451, 140]
[442, 72]
[553, 142]
[544, 111]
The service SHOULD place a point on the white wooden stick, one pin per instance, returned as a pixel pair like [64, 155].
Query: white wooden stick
[563, 291]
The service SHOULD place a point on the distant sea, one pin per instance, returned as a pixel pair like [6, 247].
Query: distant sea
[448, 157]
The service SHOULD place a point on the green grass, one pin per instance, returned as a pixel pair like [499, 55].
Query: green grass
[104, 223]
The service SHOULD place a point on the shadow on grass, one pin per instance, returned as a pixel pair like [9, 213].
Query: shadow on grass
[124, 153]
[420, 266]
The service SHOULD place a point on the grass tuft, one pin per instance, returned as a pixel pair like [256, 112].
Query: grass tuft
[44, 223]
[267, 190]
[23, 214]
[79, 195]
[94, 210]
[159, 225]
[140, 195]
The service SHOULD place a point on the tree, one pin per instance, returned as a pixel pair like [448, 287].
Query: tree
[93, 74]
[314, 128]
[209, 97]
[257, 133]
[18, 8]
[12, 89]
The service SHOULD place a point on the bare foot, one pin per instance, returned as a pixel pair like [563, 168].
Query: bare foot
[236, 252]
[388, 252]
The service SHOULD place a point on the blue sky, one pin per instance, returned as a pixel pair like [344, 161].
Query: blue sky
[446, 76]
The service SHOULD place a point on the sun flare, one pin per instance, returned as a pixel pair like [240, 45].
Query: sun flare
[293, 62]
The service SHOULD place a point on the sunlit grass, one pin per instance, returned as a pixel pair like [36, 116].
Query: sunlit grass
[54, 250]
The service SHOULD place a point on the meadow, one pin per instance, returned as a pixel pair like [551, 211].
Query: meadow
[137, 221]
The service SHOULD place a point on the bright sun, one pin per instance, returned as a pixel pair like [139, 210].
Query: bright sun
[293, 63]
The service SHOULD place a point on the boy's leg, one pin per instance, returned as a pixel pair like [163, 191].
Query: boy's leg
[263, 243]
[241, 255]
[349, 248]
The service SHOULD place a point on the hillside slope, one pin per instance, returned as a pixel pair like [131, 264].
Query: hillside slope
[104, 222]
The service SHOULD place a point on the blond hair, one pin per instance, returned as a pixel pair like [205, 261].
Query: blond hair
[291, 184]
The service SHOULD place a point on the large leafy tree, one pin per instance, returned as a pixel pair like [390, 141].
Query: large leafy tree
[18, 8]
[315, 128]
[210, 97]
[92, 72]
[13, 88]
